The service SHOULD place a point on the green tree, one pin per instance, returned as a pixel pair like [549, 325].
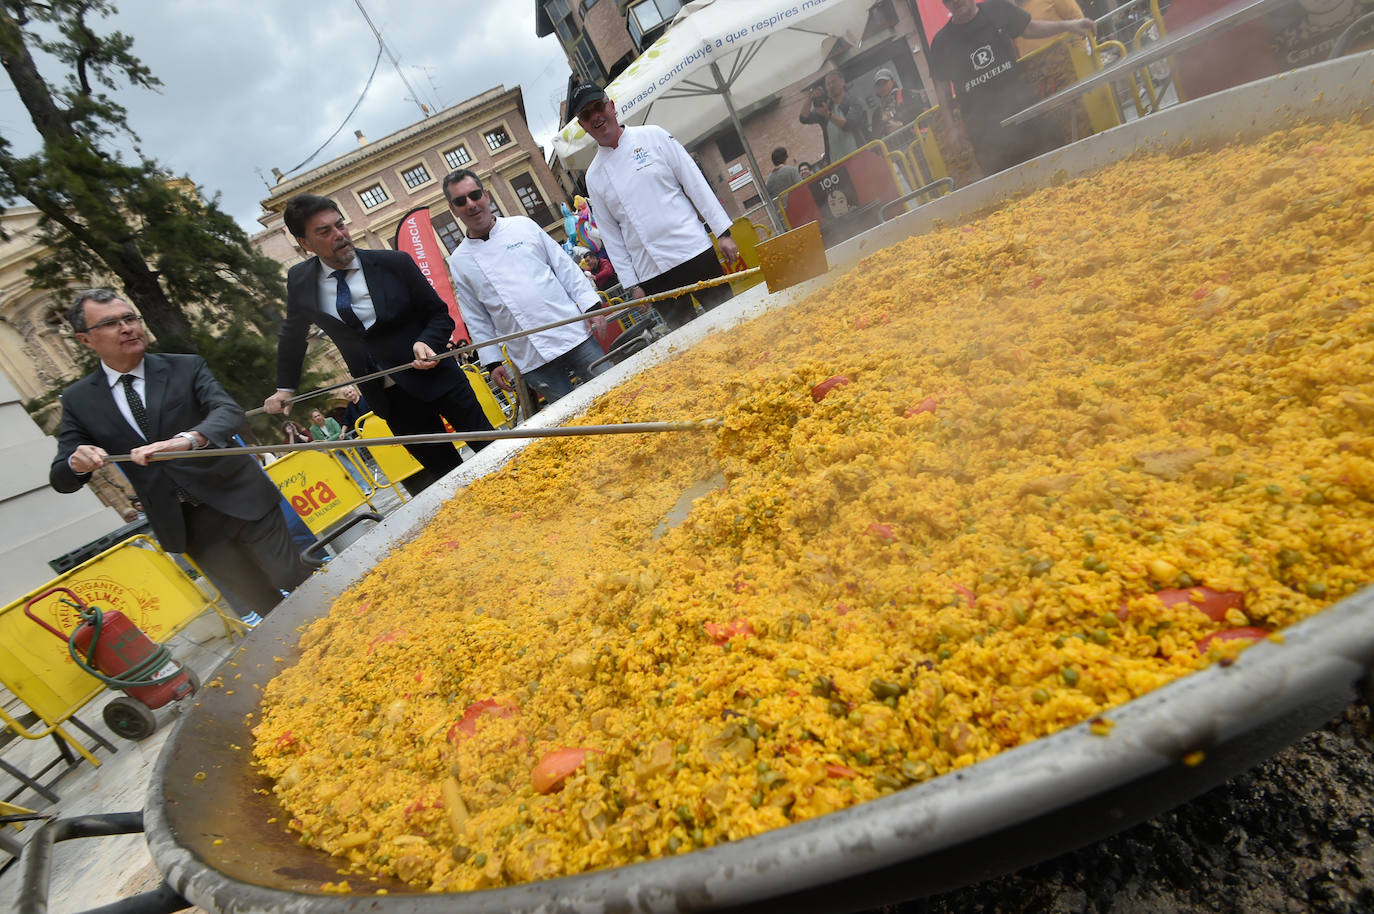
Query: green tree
[183, 262]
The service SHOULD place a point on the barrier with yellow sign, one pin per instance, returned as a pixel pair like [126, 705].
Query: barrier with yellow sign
[138, 579]
[317, 486]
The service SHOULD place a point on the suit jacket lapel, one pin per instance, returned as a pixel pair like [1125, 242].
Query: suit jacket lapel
[106, 411]
[154, 392]
[375, 287]
[305, 287]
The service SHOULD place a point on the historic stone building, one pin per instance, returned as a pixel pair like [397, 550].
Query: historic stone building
[37, 353]
[383, 180]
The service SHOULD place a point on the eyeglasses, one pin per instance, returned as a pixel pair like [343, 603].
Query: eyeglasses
[127, 320]
[473, 195]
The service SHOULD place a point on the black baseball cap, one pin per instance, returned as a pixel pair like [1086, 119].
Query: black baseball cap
[583, 95]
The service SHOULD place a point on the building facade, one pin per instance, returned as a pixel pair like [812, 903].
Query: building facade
[37, 351]
[602, 37]
[377, 185]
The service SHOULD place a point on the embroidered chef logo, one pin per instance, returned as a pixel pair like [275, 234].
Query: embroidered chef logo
[982, 57]
[641, 156]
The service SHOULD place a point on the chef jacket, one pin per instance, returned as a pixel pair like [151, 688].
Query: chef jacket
[517, 279]
[645, 196]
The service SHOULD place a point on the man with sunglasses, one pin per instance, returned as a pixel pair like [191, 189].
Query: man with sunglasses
[511, 276]
[221, 511]
[646, 194]
[381, 312]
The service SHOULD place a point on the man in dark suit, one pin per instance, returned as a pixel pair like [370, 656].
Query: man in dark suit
[221, 511]
[381, 312]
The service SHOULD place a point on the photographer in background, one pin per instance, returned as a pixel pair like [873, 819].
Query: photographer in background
[841, 118]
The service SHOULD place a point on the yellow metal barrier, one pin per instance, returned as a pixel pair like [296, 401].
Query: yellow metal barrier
[927, 148]
[1145, 100]
[138, 579]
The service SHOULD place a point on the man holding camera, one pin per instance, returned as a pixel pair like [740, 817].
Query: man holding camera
[843, 120]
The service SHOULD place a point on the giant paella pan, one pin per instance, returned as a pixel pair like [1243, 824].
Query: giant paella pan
[798, 776]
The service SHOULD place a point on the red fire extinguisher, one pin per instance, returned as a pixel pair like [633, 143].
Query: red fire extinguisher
[108, 646]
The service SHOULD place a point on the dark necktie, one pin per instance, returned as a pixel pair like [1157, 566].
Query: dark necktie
[141, 417]
[343, 301]
[136, 406]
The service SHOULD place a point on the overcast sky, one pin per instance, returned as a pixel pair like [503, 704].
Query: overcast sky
[256, 84]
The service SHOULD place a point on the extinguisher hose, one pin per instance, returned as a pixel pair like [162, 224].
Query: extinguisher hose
[138, 675]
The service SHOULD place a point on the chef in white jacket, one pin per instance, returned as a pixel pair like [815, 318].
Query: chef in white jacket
[511, 276]
[646, 193]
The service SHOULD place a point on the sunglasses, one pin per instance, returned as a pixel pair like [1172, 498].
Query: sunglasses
[473, 195]
[590, 109]
[128, 320]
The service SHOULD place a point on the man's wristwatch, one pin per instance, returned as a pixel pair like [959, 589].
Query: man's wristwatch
[189, 436]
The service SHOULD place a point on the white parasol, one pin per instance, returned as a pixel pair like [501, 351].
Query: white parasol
[718, 57]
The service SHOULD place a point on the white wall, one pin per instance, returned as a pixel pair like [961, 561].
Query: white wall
[36, 522]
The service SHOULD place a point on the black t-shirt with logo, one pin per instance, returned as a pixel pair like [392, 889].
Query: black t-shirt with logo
[979, 58]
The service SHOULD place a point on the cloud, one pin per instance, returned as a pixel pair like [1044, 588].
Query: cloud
[258, 84]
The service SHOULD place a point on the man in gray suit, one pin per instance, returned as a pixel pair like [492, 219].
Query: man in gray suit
[221, 511]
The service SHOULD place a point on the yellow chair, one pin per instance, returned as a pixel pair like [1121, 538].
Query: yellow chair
[393, 460]
[746, 236]
[490, 405]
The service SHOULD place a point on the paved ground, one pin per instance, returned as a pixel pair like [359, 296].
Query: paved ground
[95, 871]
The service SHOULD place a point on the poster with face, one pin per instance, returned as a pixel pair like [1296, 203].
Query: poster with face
[834, 194]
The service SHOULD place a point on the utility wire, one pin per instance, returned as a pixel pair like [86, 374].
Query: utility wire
[414, 96]
[361, 96]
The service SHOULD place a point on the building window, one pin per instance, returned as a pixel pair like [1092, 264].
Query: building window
[447, 228]
[729, 144]
[457, 157]
[585, 61]
[496, 138]
[561, 17]
[495, 207]
[534, 204]
[648, 17]
[373, 196]
[416, 176]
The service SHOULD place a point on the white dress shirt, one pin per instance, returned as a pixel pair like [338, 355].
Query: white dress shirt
[357, 287]
[517, 279]
[117, 391]
[645, 195]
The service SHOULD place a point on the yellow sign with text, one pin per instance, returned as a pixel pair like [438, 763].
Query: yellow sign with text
[318, 486]
[136, 578]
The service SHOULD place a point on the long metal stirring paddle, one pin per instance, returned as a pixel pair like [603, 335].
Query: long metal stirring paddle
[562, 431]
[472, 347]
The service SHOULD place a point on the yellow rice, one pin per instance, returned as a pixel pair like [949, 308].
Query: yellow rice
[1161, 374]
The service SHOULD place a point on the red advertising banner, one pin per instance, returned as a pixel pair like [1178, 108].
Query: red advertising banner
[934, 16]
[415, 235]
